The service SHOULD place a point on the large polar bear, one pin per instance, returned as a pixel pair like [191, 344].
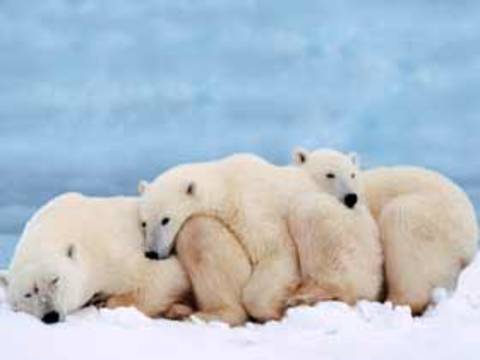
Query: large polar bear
[253, 199]
[428, 227]
[340, 253]
[76, 248]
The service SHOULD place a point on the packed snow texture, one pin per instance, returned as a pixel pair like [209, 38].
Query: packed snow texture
[95, 95]
[330, 330]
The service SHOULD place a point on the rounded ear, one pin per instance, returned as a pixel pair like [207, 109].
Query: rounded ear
[191, 188]
[4, 278]
[354, 158]
[299, 156]
[142, 186]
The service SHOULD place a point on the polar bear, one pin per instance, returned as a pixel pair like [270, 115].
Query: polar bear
[428, 228]
[336, 236]
[76, 248]
[251, 197]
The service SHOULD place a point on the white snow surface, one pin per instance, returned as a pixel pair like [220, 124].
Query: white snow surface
[330, 330]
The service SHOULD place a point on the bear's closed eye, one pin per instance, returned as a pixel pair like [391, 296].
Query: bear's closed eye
[71, 251]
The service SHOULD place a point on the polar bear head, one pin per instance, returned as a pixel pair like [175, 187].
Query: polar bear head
[171, 199]
[46, 290]
[334, 172]
[47, 275]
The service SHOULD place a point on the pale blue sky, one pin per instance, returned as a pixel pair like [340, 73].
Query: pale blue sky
[95, 95]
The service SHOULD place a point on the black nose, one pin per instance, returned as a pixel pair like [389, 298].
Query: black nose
[152, 255]
[51, 317]
[350, 200]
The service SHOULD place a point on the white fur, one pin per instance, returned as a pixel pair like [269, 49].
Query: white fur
[429, 231]
[334, 172]
[252, 198]
[76, 247]
[339, 248]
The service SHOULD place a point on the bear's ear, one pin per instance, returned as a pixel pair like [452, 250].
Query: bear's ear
[299, 156]
[354, 158]
[4, 278]
[142, 186]
[191, 188]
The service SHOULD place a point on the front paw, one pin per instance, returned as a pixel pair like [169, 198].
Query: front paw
[99, 300]
[178, 312]
[124, 300]
[309, 295]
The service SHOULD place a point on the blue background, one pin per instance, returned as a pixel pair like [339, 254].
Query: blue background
[95, 95]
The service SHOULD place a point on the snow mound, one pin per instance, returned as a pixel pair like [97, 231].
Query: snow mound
[330, 330]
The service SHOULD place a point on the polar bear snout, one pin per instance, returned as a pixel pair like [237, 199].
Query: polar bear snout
[51, 317]
[152, 255]
[159, 253]
[350, 200]
[160, 241]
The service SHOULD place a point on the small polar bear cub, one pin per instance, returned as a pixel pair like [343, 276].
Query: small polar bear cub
[335, 173]
[337, 239]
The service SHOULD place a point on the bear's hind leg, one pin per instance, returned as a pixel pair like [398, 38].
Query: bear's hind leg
[218, 268]
[273, 281]
[418, 256]
[310, 293]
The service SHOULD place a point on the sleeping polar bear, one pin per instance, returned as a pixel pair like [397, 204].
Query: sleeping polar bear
[77, 247]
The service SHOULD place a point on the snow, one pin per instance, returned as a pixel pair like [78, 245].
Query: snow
[330, 330]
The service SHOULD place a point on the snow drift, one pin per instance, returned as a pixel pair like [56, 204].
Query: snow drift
[330, 330]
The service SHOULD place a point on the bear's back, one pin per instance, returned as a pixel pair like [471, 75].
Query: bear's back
[106, 227]
[262, 192]
[381, 185]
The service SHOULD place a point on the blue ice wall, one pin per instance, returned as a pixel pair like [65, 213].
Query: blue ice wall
[97, 94]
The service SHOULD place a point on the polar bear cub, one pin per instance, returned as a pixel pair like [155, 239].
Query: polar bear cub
[251, 197]
[336, 236]
[427, 224]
